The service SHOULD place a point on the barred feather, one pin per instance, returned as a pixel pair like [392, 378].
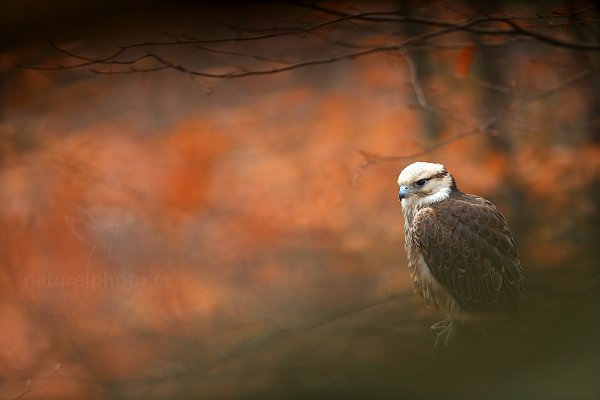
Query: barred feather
[469, 250]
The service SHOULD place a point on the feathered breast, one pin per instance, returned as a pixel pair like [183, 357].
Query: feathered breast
[461, 247]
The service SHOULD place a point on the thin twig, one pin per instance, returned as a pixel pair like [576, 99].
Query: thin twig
[240, 74]
[473, 25]
[457, 45]
[189, 40]
[516, 29]
[414, 80]
[35, 387]
[271, 338]
[240, 54]
[371, 159]
[536, 96]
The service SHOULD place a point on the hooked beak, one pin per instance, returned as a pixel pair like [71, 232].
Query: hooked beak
[404, 192]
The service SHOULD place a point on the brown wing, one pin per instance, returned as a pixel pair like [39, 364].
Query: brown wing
[469, 250]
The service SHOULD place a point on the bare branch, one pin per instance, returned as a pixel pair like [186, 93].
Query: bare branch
[268, 339]
[479, 25]
[239, 54]
[490, 122]
[361, 53]
[416, 85]
[32, 388]
[516, 29]
[371, 159]
[450, 46]
[188, 40]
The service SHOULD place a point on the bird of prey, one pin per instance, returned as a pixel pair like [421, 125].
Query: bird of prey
[461, 254]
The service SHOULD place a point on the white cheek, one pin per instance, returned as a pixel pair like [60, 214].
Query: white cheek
[439, 195]
[434, 198]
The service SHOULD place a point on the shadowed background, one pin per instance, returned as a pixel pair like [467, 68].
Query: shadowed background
[170, 235]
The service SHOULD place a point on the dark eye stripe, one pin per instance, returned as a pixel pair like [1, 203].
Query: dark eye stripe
[441, 174]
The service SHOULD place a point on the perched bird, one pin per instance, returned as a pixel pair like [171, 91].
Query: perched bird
[461, 254]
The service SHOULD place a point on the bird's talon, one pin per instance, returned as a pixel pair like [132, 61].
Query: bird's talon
[446, 332]
[440, 326]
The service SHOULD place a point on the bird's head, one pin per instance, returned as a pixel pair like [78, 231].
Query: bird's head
[423, 183]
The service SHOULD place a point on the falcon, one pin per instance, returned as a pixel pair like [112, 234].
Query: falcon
[461, 254]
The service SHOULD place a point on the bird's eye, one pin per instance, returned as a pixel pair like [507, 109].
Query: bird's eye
[420, 183]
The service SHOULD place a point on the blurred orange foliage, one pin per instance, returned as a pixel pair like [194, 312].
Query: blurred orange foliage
[152, 224]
